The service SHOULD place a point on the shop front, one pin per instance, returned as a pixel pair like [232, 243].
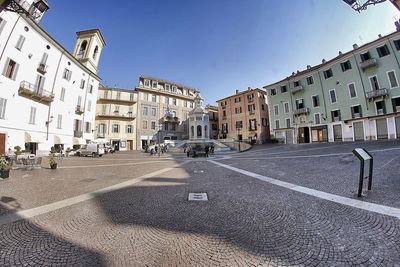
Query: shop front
[319, 134]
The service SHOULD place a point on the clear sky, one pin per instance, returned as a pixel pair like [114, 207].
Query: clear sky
[217, 46]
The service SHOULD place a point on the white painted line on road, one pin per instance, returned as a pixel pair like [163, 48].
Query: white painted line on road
[26, 214]
[381, 209]
[109, 165]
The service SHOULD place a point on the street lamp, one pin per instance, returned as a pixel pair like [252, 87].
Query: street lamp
[357, 6]
[22, 7]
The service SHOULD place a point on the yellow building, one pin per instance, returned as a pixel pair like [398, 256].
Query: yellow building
[116, 117]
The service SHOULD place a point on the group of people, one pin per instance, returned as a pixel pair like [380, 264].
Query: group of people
[190, 151]
[156, 149]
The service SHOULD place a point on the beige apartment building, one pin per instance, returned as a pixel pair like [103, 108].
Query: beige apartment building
[116, 117]
[163, 109]
[213, 120]
[244, 116]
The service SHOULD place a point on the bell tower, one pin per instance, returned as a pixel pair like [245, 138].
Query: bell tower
[88, 47]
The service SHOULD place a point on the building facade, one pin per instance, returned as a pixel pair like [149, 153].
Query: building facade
[156, 99]
[244, 116]
[116, 117]
[213, 119]
[48, 95]
[355, 96]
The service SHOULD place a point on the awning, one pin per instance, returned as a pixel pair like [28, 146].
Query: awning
[31, 137]
[59, 139]
[78, 141]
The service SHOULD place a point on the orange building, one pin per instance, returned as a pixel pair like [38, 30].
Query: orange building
[244, 116]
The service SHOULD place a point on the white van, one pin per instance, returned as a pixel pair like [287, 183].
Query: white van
[92, 149]
[170, 140]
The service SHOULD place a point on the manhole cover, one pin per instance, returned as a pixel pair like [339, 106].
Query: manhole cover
[198, 171]
[198, 197]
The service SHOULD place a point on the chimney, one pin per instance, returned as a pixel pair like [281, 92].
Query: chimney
[380, 35]
[248, 88]
[293, 73]
[308, 67]
[340, 53]
[298, 71]
[323, 60]
[237, 91]
[355, 46]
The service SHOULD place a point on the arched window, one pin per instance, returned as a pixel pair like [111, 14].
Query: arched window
[192, 131]
[82, 49]
[96, 50]
[205, 132]
[199, 131]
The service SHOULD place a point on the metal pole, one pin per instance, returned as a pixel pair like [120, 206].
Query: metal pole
[371, 167]
[360, 183]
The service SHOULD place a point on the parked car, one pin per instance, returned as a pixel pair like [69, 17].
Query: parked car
[94, 150]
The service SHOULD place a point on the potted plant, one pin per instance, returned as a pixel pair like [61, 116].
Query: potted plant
[5, 167]
[17, 151]
[52, 158]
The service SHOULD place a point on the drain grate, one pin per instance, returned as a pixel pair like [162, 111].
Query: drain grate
[198, 197]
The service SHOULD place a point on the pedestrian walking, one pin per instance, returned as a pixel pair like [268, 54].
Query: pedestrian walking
[152, 152]
[188, 151]
[212, 149]
[206, 150]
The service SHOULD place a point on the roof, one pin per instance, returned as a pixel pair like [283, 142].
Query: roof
[101, 87]
[168, 82]
[341, 55]
[93, 31]
[244, 92]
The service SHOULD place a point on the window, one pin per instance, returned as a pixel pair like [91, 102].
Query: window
[32, 115]
[89, 105]
[396, 43]
[153, 125]
[95, 52]
[328, 73]
[283, 89]
[145, 111]
[345, 65]
[237, 99]
[253, 124]
[299, 103]
[105, 94]
[82, 84]
[264, 122]
[317, 118]
[380, 107]
[174, 101]
[374, 83]
[40, 83]
[238, 110]
[224, 114]
[296, 83]
[352, 90]
[146, 83]
[392, 79]
[396, 104]
[79, 100]
[88, 127]
[335, 115]
[273, 91]
[332, 94]
[129, 128]
[165, 126]
[118, 96]
[166, 100]
[286, 107]
[2, 24]
[44, 59]
[173, 127]
[82, 49]
[365, 56]
[315, 101]
[90, 89]
[154, 85]
[3, 104]
[262, 107]
[277, 124]
[153, 98]
[59, 121]
[174, 89]
[383, 51]
[102, 129]
[115, 128]
[116, 110]
[287, 123]
[239, 125]
[191, 104]
[145, 125]
[310, 80]
[276, 110]
[153, 112]
[62, 94]
[67, 74]
[167, 87]
[356, 112]
[20, 42]
[225, 128]
[104, 109]
[10, 69]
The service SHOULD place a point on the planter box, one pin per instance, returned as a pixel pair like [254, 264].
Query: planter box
[53, 166]
[4, 174]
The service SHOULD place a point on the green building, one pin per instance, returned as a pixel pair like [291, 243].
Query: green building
[354, 96]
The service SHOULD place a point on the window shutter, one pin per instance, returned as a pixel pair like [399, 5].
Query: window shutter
[332, 116]
[394, 104]
[44, 58]
[352, 112]
[6, 66]
[359, 108]
[3, 103]
[2, 24]
[384, 107]
[20, 42]
[69, 75]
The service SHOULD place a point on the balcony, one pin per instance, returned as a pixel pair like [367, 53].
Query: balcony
[252, 112]
[369, 63]
[101, 135]
[171, 119]
[376, 93]
[78, 134]
[129, 116]
[223, 107]
[125, 101]
[42, 68]
[78, 110]
[31, 91]
[297, 89]
[250, 100]
[300, 111]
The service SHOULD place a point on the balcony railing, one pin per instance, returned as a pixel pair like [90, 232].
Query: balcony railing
[296, 89]
[377, 93]
[116, 115]
[252, 112]
[42, 68]
[78, 134]
[78, 110]
[223, 107]
[300, 111]
[372, 62]
[250, 99]
[35, 93]
[118, 100]
[101, 135]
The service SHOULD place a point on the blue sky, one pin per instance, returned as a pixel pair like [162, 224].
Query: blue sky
[217, 46]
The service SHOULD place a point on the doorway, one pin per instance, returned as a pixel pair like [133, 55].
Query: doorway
[304, 135]
[2, 144]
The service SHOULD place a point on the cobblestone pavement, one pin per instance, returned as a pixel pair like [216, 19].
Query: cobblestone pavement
[246, 222]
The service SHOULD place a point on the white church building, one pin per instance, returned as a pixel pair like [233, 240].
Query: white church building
[47, 95]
